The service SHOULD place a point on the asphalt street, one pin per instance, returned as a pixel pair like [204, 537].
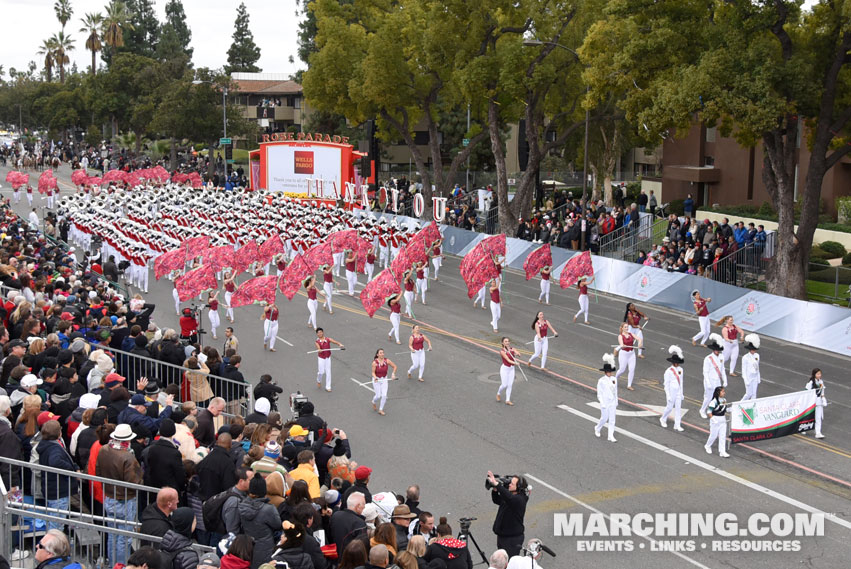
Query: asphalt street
[446, 432]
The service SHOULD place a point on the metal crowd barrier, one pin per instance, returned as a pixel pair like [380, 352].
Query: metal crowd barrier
[102, 532]
[239, 396]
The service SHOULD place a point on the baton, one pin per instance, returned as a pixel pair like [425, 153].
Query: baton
[643, 325]
[545, 337]
[328, 350]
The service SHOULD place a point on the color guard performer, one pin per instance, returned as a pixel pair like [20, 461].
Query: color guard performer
[496, 304]
[409, 293]
[607, 395]
[545, 286]
[718, 422]
[369, 266]
[379, 380]
[323, 358]
[422, 280]
[312, 303]
[351, 271]
[702, 311]
[328, 287]
[436, 257]
[542, 326]
[510, 358]
[732, 336]
[713, 372]
[673, 381]
[415, 344]
[176, 298]
[213, 313]
[395, 304]
[480, 296]
[633, 317]
[280, 263]
[750, 366]
[627, 342]
[582, 285]
[230, 287]
[270, 326]
[817, 383]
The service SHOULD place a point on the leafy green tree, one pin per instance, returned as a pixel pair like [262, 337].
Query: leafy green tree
[762, 71]
[243, 53]
[64, 11]
[175, 22]
[92, 24]
[392, 62]
[143, 37]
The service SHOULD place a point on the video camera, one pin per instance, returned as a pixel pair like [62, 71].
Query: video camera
[501, 481]
[465, 524]
[535, 547]
[297, 401]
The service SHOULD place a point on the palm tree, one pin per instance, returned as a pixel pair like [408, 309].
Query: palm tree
[116, 21]
[63, 11]
[48, 50]
[92, 24]
[64, 44]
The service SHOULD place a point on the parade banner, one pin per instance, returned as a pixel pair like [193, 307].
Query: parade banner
[772, 417]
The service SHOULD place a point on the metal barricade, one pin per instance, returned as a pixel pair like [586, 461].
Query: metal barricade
[238, 395]
[747, 266]
[100, 516]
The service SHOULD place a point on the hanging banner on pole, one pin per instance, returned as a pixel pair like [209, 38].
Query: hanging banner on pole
[772, 417]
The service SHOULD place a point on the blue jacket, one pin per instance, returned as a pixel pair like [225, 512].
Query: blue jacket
[133, 418]
[740, 235]
[59, 563]
[55, 486]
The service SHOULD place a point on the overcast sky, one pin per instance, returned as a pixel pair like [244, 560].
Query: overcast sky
[273, 23]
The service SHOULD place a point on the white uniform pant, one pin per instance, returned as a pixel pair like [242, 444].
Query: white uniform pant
[383, 256]
[542, 346]
[545, 291]
[704, 330]
[675, 402]
[409, 301]
[270, 332]
[819, 417]
[626, 361]
[338, 260]
[750, 390]
[480, 297]
[214, 321]
[638, 333]
[311, 307]
[329, 290]
[731, 352]
[176, 301]
[717, 430]
[394, 252]
[422, 287]
[607, 415]
[228, 296]
[708, 392]
[583, 307]
[395, 318]
[50, 200]
[17, 196]
[379, 386]
[496, 312]
[30, 198]
[436, 262]
[323, 367]
[506, 376]
[369, 268]
[417, 361]
[352, 279]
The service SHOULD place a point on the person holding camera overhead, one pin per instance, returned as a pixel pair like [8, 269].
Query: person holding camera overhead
[511, 495]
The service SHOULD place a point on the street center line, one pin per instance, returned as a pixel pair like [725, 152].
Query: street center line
[596, 511]
[720, 472]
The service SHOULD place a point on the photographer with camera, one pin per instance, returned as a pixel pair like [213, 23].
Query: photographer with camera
[510, 493]
[532, 553]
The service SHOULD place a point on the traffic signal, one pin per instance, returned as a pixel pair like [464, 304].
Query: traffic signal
[228, 151]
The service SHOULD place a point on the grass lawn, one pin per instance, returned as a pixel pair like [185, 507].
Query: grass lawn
[818, 291]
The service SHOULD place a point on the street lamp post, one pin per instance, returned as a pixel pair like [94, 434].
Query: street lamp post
[532, 43]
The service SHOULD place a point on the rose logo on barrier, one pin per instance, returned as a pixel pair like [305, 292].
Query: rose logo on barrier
[750, 306]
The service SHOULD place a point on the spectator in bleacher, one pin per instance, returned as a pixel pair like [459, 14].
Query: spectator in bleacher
[238, 555]
[216, 470]
[177, 542]
[259, 519]
[348, 524]
[10, 445]
[156, 518]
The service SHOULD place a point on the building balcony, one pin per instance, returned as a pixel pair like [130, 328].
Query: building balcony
[696, 174]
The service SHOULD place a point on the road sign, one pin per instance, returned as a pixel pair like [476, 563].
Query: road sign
[225, 141]
[231, 161]
[466, 142]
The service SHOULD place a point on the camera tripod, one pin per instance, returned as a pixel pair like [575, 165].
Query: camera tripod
[465, 534]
